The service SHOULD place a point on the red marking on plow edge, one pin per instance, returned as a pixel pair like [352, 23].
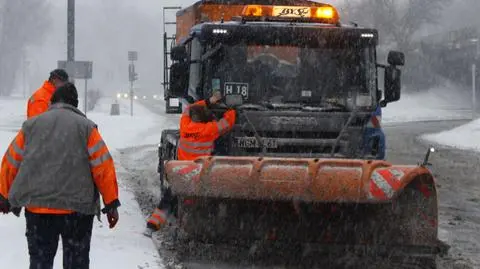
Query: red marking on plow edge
[432, 222]
[187, 169]
[424, 189]
[390, 178]
[196, 178]
[272, 235]
[376, 191]
[188, 202]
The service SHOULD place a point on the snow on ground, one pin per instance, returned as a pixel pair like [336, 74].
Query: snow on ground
[122, 247]
[441, 103]
[126, 131]
[462, 137]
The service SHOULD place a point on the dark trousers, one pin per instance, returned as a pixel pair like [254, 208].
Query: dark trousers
[43, 232]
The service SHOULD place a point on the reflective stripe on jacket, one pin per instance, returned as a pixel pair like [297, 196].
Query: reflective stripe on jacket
[197, 139]
[40, 99]
[57, 163]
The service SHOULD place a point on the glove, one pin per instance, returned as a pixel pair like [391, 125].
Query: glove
[112, 217]
[112, 213]
[16, 211]
[4, 205]
[215, 98]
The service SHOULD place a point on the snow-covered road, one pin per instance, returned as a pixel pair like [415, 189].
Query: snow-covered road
[123, 247]
[133, 141]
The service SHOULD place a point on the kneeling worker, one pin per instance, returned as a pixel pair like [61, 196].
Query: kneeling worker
[198, 132]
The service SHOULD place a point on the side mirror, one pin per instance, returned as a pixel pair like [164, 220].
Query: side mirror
[178, 53]
[396, 58]
[393, 84]
[178, 79]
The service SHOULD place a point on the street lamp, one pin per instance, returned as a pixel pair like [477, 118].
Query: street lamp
[474, 76]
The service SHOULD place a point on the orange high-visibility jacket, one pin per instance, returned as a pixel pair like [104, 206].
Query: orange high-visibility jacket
[197, 139]
[99, 163]
[40, 99]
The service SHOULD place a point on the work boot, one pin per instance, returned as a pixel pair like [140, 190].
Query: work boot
[156, 221]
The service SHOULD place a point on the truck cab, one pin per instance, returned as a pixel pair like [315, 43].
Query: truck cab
[303, 84]
[297, 163]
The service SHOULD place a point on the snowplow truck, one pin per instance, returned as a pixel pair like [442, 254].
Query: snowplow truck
[294, 167]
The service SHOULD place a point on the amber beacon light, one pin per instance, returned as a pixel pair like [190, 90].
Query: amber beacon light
[326, 13]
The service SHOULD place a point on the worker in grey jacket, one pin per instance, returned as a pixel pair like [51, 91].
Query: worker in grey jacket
[55, 167]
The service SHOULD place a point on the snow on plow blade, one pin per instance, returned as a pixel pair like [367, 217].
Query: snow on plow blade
[308, 180]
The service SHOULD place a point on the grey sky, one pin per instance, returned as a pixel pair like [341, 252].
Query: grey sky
[105, 31]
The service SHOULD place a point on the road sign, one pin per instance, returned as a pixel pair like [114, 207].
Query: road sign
[132, 56]
[77, 69]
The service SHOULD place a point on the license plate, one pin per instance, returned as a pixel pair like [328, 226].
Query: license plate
[174, 102]
[251, 142]
[236, 88]
[292, 12]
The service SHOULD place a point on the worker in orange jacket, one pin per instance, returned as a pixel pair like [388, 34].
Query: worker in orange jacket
[198, 132]
[40, 99]
[56, 167]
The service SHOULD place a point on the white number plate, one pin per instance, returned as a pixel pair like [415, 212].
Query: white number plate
[235, 88]
[174, 102]
[251, 142]
[292, 12]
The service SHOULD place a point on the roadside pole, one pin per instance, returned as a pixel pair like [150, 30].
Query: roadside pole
[132, 75]
[85, 101]
[474, 77]
[71, 34]
[131, 98]
[474, 97]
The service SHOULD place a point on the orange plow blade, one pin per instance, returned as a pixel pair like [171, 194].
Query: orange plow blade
[308, 180]
[315, 201]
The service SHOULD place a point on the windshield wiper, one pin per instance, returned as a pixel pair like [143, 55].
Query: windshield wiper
[303, 106]
[253, 107]
[272, 105]
[335, 104]
[209, 54]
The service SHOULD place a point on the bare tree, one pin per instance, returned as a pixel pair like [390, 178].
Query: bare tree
[22, 23]
[396, 20]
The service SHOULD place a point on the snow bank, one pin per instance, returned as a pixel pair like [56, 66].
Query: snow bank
[443, 103]
[463, 137]
[122, 247]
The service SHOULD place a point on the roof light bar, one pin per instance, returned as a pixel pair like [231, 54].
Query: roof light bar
[367, 35]
[325, 13]
[220, 31]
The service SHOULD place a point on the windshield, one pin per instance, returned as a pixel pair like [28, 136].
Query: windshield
[287, 74]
